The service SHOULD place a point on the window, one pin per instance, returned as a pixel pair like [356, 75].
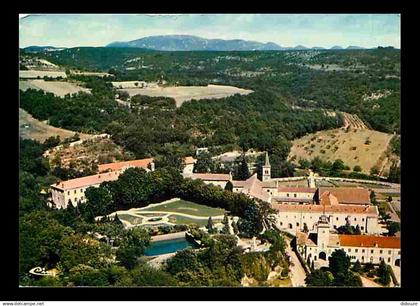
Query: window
[363, 219]
[336, 218]
[362, 228]
[349, 250]
[68, 192]
[380, 252]
[389, 259]
[75, 191]
[389, 252]
[281, 223]
[356, 250]
[371, 251]
[287, 195]
[363, 250]
[399, 252]
[355, 219]
[295, 195]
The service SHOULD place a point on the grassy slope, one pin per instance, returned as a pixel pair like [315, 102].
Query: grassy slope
[364, 155]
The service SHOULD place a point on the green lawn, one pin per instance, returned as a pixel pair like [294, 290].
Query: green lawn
[129, 218]
[187, 207]
[184, 220]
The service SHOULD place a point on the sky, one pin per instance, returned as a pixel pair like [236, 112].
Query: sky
[287, 30]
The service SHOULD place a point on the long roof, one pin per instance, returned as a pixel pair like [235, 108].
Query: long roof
[348, 195]
[253, 187]
[315, 208]
[370, 241]
[210, 176]
[296, 189]
[141, 163]
[86, 181]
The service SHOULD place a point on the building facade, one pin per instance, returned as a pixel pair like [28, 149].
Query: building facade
[317, 247]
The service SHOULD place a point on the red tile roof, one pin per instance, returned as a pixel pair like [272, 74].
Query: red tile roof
[296, 189]
[328, 199]
[370, 241]
[86, 181]
[141, 163]
[348, 195]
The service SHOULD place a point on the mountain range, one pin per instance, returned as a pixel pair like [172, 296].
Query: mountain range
[195, 43]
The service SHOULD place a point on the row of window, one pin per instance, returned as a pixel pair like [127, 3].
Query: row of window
[75, 191]
[371, 251]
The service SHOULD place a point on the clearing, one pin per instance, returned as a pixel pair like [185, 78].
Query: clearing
[56, 87]
[31, 128]
[185, 93]
[34, 74]
[354, 144]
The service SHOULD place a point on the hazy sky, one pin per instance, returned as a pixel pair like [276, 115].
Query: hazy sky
[322, 30]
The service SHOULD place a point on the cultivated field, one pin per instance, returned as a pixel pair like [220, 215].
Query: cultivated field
[185, 93]
[33, 74]
[57, 88]
[31, 128]
[362, 147]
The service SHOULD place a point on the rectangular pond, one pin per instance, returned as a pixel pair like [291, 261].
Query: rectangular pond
[168, 246]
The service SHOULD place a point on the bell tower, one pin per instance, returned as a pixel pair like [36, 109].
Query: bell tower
[323, 231]
[266, 169]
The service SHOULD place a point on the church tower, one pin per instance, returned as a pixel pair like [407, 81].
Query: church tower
[266, 175]
[323, 231]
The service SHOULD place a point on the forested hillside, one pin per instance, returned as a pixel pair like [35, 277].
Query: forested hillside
[364, 82]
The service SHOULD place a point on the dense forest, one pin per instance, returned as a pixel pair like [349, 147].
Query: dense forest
[339, 80]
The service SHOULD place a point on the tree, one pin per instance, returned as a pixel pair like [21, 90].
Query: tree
[210, 226]
[235, 228]
[81, 249]
[357, 267]
[204, 163]
[229, 186]
[357, 168]
[146, 275]
[374, 170]
[373, 198]
[40, 236]
[225, 222]
[393, 228]
[384, 274]
[319, 278]
[99, 200]
[339, 262]
[132, 246]
[243, 171]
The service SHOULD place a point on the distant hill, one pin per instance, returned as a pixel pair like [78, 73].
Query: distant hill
[41, 48]
[354, 48]
[336, 48]
[194, 43]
